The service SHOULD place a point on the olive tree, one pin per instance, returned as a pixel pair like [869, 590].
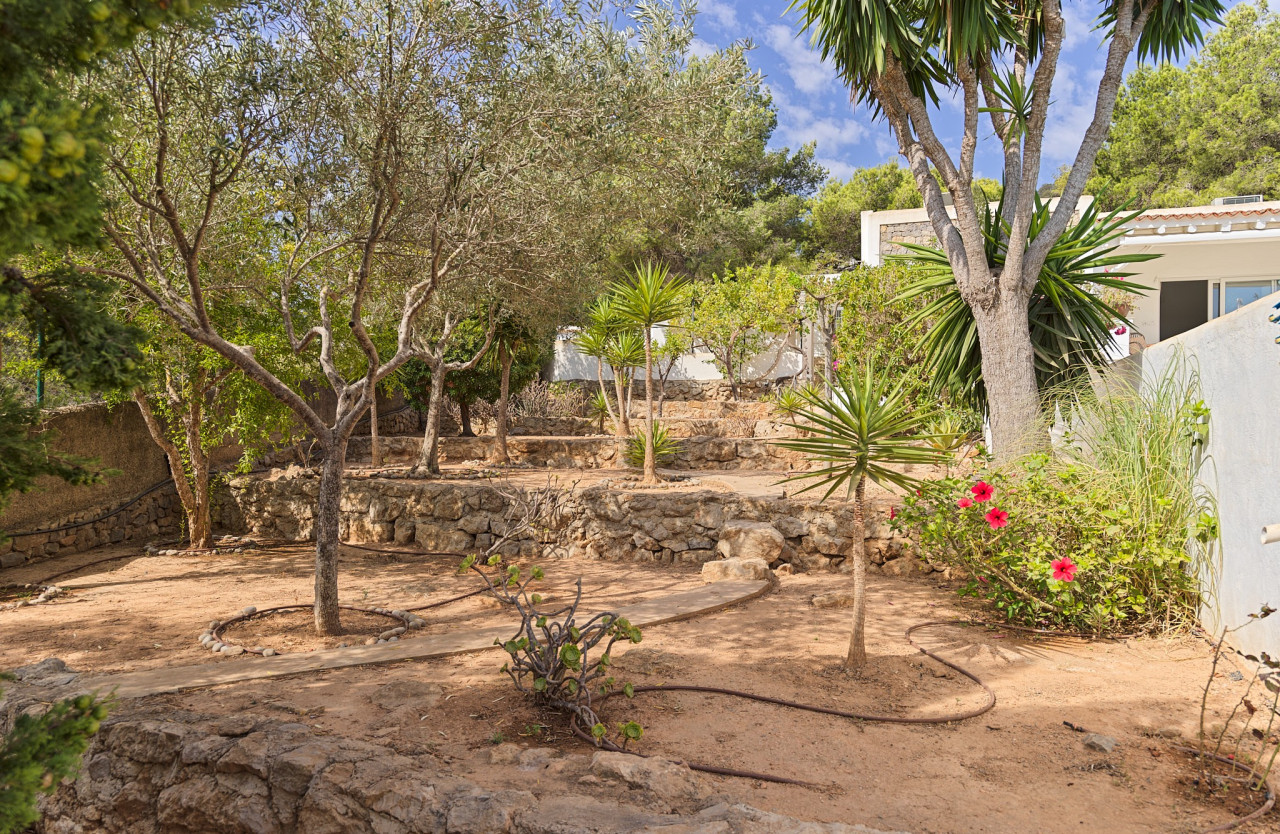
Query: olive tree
[1000, 59]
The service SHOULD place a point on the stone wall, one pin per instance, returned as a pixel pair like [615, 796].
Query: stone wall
[155, 515]
[596, 523]
[919, 233]
[686, 390]
[696, 453]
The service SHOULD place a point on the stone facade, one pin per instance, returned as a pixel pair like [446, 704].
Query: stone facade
[687, 390]
[597, 523]
[920, 233]
[156, 515]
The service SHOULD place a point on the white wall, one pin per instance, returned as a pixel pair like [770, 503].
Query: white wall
[1239, 366]
[698, 365]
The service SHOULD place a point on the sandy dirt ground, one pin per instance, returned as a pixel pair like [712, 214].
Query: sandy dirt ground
[1014, 769]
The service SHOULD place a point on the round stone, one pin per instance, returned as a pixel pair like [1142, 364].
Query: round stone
[233, 650]
[268, 652]
[248, 609]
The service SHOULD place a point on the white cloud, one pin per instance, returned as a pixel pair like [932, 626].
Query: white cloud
[886, 146]
[1070, 111]
[809, 73]
[701, 49]
[723, 16]
[798, 124]
[838, 169]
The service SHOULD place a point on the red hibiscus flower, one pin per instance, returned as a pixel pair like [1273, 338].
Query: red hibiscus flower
[964, 503]
[1064, 570]
[997, 518]
[1121, 330]
[893, 513]
[982, 491]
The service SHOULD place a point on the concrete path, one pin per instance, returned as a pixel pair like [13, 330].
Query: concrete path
[665, 609]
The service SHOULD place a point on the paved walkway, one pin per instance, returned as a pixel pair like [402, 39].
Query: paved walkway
[665, 609]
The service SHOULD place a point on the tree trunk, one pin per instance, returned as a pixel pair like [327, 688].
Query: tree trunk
[623, 424]
[199, 522]
[327, 529]
[505, 358]
[1008, 372]
[429, 458]
[605, 393]
[375, 448]
[857, 656]
[650, 459]
[200, 536]
[464, 418]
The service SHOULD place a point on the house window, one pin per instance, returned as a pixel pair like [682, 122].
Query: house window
[1230, 296]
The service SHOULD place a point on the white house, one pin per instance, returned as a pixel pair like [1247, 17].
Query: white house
[1214, 259]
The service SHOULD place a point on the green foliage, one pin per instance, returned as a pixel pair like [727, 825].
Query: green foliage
[743, 313]
[1184, 135]
[665, 447]
[788, 401]
[1069, 323]
[860, 432]
[834, 229]
[1131, 575]
[553, 658]
[40, 752]
[878, 327]
[650, 295]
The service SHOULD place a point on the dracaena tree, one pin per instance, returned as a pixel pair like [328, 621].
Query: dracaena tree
[1000, 59]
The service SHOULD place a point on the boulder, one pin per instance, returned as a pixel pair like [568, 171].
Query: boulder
[750, 539]
[737, 568]
[832, 599]
[673, 783]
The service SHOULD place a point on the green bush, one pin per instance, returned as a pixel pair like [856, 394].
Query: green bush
[1066, 548]
[665, 447]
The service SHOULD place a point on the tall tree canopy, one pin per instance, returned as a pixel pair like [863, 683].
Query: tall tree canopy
[1184, 135]
[1000, 59]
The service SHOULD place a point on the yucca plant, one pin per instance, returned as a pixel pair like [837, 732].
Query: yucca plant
[650, 296]
[598, 409]
[665, 447]
[788, 401]
[858, 434]
[1070, 323]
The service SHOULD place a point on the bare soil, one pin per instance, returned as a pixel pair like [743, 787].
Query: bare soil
[1014, 769]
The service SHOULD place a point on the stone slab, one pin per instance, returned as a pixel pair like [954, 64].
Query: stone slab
[677, 606]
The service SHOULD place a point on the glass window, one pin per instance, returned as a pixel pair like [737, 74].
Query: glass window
[1216, 295]
[1237, 294]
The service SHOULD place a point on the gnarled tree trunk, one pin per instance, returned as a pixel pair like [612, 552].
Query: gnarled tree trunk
[375, 447]
[857, 655]
[1008, 371]
[327, 532]
[429, 457]
[505, 360]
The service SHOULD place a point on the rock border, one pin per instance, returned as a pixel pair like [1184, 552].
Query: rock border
[43, 593]
[211, 637]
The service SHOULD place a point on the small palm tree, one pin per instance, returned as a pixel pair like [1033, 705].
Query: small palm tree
[597, 340]
[859, 432]
[624, 352]
[650, 296]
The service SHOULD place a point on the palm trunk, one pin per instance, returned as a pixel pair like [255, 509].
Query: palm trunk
[608, 404]
[650, 460]
[429, 458]
[1008, 372]
[327, 524]
[857, 656]
[375, 449]
[623, 423]
[500, 455]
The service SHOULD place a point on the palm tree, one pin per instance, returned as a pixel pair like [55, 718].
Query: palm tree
[624, 352]
[597, 341]
[650, 296]
[1070, 324]
[859, 432]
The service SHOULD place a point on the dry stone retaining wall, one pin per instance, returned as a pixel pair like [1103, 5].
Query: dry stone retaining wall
[598, 523]
[592, 452]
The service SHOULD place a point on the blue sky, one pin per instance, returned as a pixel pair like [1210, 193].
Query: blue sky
[813, 106]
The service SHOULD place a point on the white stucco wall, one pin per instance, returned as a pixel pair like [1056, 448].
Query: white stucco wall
[568, 364]
[1239, 366]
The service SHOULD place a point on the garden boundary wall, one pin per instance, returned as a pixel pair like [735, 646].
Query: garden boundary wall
[1238, 363]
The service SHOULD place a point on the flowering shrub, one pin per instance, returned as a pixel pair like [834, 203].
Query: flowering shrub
[1055, 546]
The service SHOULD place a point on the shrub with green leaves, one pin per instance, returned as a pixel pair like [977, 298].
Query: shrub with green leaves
[1057, 545]
[665, 447]
[40, 752]
[553, 658]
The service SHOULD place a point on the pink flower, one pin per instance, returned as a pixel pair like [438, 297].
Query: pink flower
[1121, 330]
[1064, 570]
[964, 503]
[982, 491]
[997, 518]
[893, 513]
[983, 580]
